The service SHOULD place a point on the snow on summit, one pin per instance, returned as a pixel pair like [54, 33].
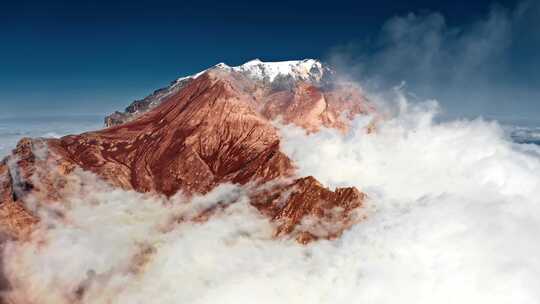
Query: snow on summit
[306, 69]
[266, 73]
[298, 69]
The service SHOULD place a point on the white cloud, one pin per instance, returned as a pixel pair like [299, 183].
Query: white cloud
[453, 216]
[487, 66]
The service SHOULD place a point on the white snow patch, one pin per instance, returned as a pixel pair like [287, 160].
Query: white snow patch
[307, 69]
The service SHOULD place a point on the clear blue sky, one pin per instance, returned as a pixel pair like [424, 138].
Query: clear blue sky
[92, 57]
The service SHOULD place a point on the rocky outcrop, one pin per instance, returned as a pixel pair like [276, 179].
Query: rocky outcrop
[215, 128]
[312, 107]
[308, 210]
[15, 220]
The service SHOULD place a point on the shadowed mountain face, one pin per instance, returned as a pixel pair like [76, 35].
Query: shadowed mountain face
[216, 128]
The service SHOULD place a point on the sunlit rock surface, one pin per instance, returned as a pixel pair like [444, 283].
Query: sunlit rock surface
[215, 127]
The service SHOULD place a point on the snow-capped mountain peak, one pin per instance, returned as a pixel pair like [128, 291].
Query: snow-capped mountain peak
[307, 69]
[282, 73]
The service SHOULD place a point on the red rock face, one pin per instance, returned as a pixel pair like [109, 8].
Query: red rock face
[289, 204]
[216, 129]
[15, 220]
[207, 134]
[311, 108]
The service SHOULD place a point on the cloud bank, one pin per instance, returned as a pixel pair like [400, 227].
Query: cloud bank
[452, 216]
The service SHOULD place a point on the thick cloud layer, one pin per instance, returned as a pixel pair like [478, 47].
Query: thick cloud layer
[452, 217]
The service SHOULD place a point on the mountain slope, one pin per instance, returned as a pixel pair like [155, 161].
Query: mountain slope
[216, 129]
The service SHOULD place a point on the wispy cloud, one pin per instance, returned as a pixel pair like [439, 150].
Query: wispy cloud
[490, 66]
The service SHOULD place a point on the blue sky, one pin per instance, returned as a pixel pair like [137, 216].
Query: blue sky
[92, 57]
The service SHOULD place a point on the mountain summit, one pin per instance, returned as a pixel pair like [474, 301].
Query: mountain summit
[269, 76]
